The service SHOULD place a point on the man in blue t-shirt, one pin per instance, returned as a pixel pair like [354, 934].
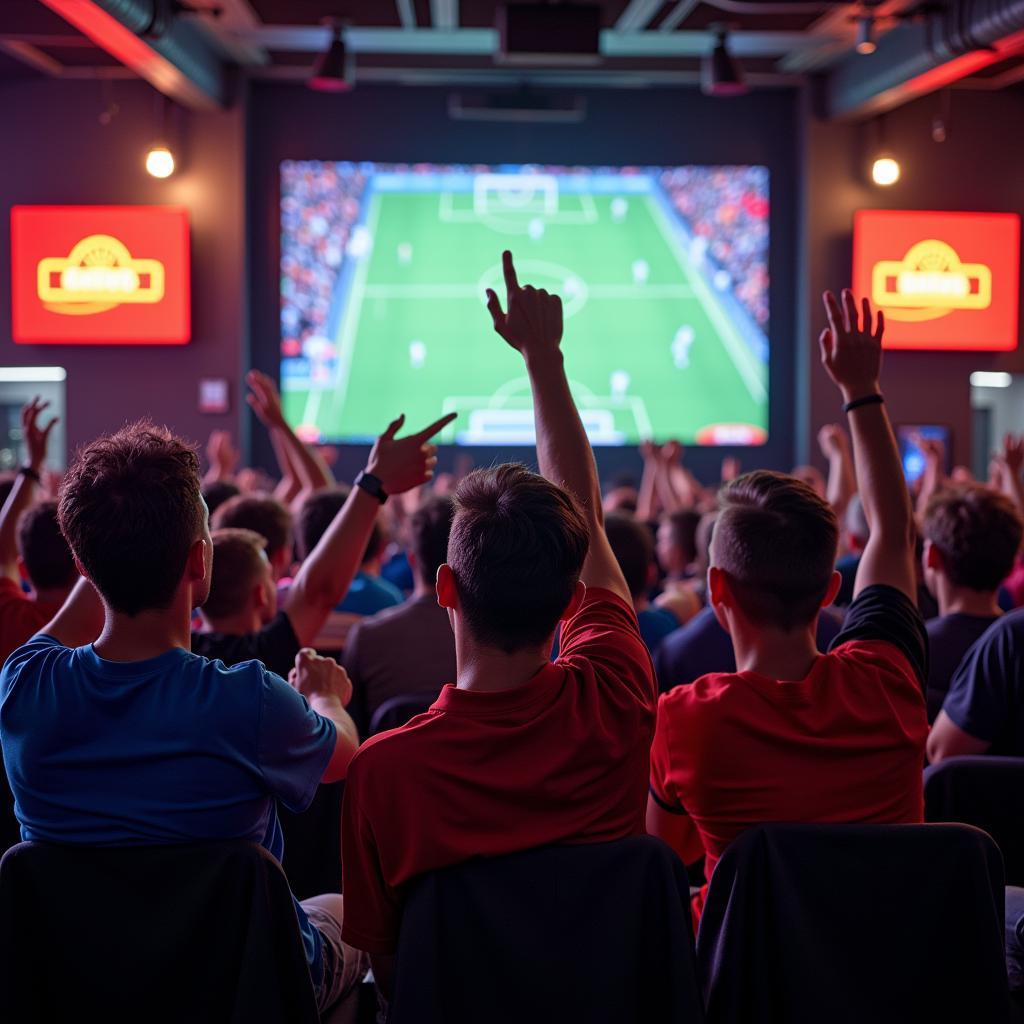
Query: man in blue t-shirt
[983, 713]
[133, 740]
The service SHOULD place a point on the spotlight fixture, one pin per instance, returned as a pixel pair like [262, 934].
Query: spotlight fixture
[332, 71]
[866, 44]
[721, 74]
[885, 170]
[160, 161]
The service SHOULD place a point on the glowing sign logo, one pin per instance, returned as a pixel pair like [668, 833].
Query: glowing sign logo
[929, 282]
[98, 274]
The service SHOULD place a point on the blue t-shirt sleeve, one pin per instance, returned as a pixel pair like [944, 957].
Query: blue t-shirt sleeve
[295, 744]
[980, 695]
[21, 656]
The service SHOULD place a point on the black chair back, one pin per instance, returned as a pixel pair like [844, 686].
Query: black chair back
[987, 792]
[199, 933]
[396, 711]
[854, 923]
[596, 934]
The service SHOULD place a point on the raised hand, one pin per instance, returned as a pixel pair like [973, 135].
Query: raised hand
[672, 452]
[264, 399]
[832, 440]
[35, 436]
[223, 455]
[851, 349]
[730, 469]
[1013, 454]
[533, 323]
[403, 463]
[314, 676]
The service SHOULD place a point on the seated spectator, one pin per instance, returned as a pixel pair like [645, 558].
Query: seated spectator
[677, 547]
[521, 752]
[795, 735]
[368, 593]
[32, 549]
[263, 515]
[633, 547]
[855, 539]
[217, 492]
[971, 538]
[132, 740]
[243, 621]
[983, 712]
[408, 649]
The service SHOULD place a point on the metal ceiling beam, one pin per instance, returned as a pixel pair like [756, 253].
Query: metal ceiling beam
[31, 56]
[181, 63]
[444, 14]
[637, 15]
[678, 15]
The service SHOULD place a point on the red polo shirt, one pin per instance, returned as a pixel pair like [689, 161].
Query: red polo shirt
[20, 616]
[843, 745]
[561, 759]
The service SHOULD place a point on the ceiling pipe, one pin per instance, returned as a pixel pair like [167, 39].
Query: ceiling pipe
[172, 53]
[922, 56]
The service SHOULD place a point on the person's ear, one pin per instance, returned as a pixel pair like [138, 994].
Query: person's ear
[720, 596]
[260, 596]
[932, 557]
[447, 592]
[578, 594]
[833, 589]
[195, 565]
[22, 570]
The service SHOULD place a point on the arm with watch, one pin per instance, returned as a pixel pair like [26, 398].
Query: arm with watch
[395, 465]
[851, 352]
[23, 492]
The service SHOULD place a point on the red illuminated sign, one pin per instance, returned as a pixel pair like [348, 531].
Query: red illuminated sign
[100, 275]
[945, 280]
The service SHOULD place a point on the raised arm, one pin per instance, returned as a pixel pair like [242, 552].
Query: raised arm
[23, 492]
[1008, 465]
[532, 325]
[222, 456]
[851, 352]
[842, 484]
[934, 476]
[293, 456]
[325, 576]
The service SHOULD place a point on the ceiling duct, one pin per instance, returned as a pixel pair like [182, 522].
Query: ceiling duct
[924, 54]
[174, 54]
[523, 107]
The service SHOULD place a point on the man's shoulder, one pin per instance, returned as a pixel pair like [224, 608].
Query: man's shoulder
[398, 749]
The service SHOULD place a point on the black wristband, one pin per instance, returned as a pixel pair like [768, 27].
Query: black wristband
[875, 399]
[372, 485]
[31, 474]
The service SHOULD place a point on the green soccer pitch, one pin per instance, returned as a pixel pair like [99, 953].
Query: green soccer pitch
[414, 335]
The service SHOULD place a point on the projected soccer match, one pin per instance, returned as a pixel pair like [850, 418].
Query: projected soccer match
[663, 273]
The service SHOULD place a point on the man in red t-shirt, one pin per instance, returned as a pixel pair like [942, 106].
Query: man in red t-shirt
[31, 545]
[795, 735]
[520, 752]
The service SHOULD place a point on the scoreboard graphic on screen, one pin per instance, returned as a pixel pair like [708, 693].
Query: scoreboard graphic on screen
[100, 275]
[946, 281]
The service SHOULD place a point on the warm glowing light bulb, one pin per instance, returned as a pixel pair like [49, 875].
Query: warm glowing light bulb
[885, 171]
[160, 162]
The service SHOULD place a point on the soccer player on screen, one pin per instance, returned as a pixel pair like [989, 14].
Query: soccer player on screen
[681, 344]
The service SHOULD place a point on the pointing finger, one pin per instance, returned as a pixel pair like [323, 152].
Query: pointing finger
[494, 308]
[511, 281]
[434, 427]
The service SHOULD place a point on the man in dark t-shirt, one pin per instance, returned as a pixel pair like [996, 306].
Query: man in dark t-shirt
[983, 713]
[971, 538]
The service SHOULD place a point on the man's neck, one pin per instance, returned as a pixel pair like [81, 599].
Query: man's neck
[777, 654]
[486, 669]
[144, 636]
[964, 601]
[241, 624]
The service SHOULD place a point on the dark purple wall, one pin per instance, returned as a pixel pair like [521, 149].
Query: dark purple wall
[56, 151]
[979, 167]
